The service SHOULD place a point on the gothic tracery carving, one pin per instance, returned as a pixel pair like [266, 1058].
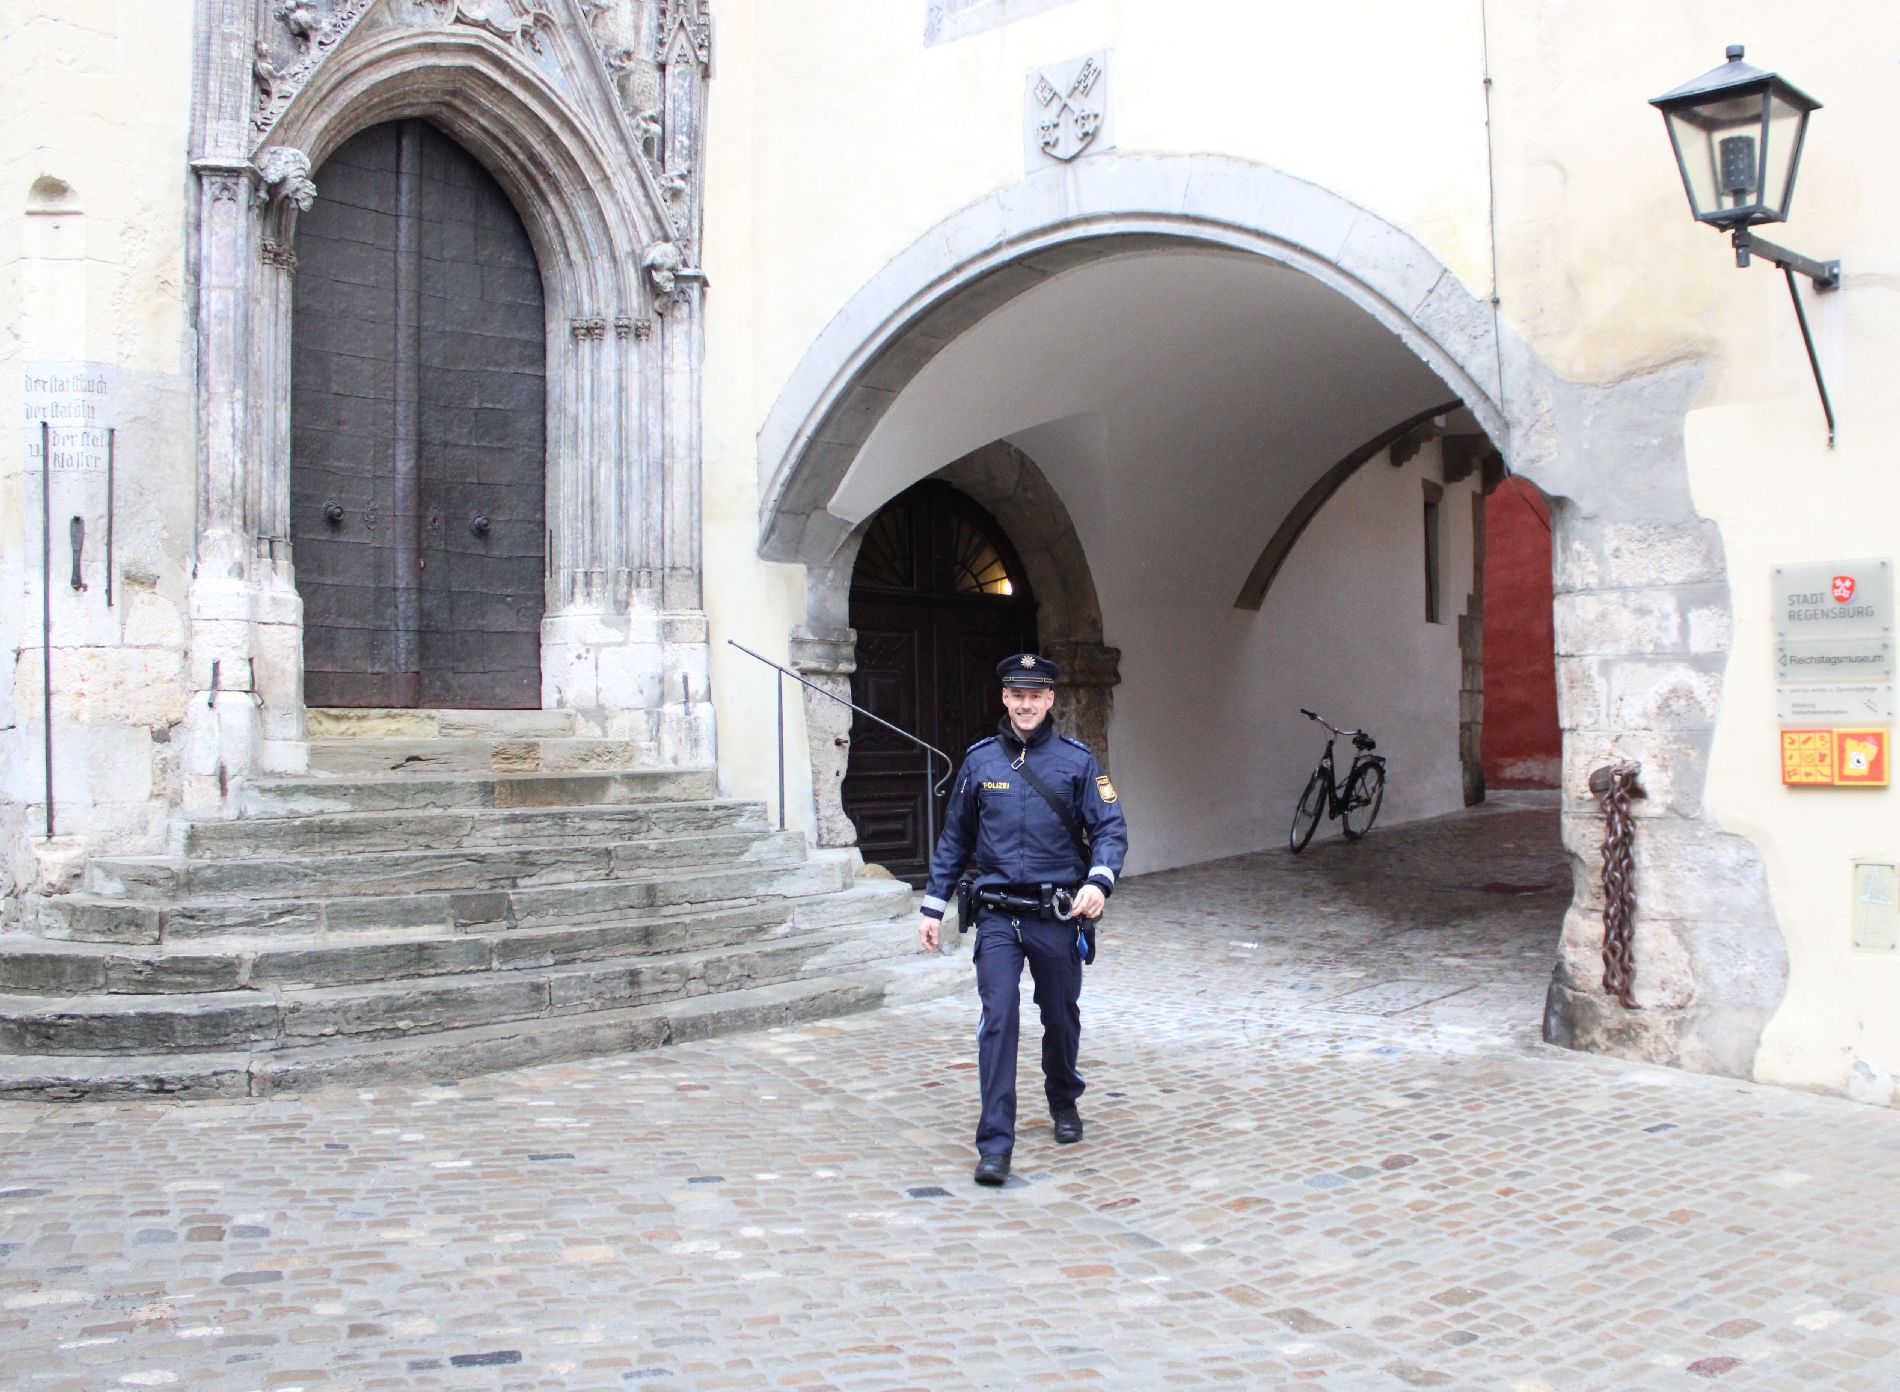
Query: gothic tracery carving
[300, 18]
[512, 21]
[275, 253]
[316, 43]
[284, 172]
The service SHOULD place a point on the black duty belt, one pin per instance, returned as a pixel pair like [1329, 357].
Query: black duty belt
[1044, 901]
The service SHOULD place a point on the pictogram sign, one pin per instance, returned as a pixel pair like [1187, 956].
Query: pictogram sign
[1858, 758]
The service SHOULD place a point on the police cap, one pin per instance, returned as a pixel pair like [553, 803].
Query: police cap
[1027, 669]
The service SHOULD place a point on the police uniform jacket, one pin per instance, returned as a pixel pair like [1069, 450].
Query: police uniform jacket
[1007, 831]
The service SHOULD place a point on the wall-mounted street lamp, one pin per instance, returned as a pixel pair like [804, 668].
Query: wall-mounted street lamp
[1737, 133]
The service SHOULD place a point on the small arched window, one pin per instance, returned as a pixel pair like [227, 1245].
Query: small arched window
[933, 540]
[976, 566]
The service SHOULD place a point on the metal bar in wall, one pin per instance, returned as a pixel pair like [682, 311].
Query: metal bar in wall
[46, 607]
[112, 448]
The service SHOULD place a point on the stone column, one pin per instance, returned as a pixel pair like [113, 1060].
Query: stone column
[686, 712]
[1090, 673]
[828, 657]
[221, 733]
[1642, 635]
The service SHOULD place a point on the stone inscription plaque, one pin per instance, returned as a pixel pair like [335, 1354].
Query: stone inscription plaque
[76, 401]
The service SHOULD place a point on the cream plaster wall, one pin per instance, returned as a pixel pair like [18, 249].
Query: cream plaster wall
[1207, 724]
[1762, 471]
[1604, 272]
[98, 99]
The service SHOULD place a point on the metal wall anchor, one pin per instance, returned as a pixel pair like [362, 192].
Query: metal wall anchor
[77, 531]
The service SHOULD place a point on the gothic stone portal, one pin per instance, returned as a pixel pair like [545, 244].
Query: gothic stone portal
[417, 431]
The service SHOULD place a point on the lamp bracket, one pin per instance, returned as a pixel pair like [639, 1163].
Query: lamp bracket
[1826, 275]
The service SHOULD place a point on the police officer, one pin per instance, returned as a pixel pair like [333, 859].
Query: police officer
[1030, 867]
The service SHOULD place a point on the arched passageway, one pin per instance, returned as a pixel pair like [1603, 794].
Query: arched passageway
[418, 400]
[1188, 347]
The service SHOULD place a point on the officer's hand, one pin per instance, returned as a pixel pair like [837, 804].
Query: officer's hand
[1090, 901]
[927, 932]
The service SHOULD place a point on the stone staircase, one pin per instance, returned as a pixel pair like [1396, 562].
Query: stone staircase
[485, 891]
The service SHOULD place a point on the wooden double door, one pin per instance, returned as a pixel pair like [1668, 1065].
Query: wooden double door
[938, 599]
[418, 423]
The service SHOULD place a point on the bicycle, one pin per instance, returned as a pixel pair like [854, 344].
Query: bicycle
[1357, 805]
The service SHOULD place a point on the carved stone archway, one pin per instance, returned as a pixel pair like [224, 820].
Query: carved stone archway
[1628, 541]
[608, 196]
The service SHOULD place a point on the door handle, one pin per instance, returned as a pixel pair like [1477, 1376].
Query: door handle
[478, 524]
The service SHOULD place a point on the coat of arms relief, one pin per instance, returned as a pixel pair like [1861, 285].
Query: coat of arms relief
[1066, 109]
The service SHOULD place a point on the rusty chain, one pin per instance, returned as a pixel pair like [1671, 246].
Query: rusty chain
[1614, 785]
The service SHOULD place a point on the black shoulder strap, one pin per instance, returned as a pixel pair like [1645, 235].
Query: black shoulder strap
[1061, 810]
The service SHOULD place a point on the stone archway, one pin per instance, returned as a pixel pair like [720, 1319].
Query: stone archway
[1012, 489]
[1642, 589]
[623, 640]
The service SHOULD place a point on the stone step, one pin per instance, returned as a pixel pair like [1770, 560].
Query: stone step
[339, 722]
[280, 1017]
[97, 918]
[39, 966]
[422, 872]
[479, 1049]
[293, 797]
[423, 757]
[341, 833]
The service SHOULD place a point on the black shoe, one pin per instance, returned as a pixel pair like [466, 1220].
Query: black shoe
[1068, 1124]
[992, 1170]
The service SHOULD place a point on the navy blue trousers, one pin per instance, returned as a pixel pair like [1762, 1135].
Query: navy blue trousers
[1001, 946]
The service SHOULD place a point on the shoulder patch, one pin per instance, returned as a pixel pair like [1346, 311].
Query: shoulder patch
[1070, 739]
[1106, 789]
[979, 744]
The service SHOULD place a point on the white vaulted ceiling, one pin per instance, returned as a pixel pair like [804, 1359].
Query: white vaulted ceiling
[1180, 402]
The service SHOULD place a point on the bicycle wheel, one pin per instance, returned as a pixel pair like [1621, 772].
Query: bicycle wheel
[1365, 790]
[1306, 815]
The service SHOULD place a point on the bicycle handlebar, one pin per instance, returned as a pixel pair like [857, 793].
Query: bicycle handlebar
[1315, 715]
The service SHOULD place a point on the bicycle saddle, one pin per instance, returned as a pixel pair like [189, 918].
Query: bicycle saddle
[1364, 741]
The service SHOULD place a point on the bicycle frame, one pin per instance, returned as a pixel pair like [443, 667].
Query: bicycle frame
[1335, 787]
[1340, 799]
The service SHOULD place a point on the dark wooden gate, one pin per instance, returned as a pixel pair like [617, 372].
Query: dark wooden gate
[938, 598]
[418, 367]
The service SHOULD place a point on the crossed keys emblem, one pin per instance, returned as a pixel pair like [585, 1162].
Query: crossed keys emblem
[1072, 118]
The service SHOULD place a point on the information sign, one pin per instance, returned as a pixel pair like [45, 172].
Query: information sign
[1834, 660]
[1839, 599]
[1836, 758]
[1835, 703]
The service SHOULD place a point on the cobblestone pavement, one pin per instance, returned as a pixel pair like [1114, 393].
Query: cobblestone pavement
[1325, 1149]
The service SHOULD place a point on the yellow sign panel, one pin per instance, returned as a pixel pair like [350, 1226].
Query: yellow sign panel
[1836, 758]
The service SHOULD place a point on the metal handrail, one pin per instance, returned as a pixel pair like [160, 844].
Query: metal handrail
[936, 789]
